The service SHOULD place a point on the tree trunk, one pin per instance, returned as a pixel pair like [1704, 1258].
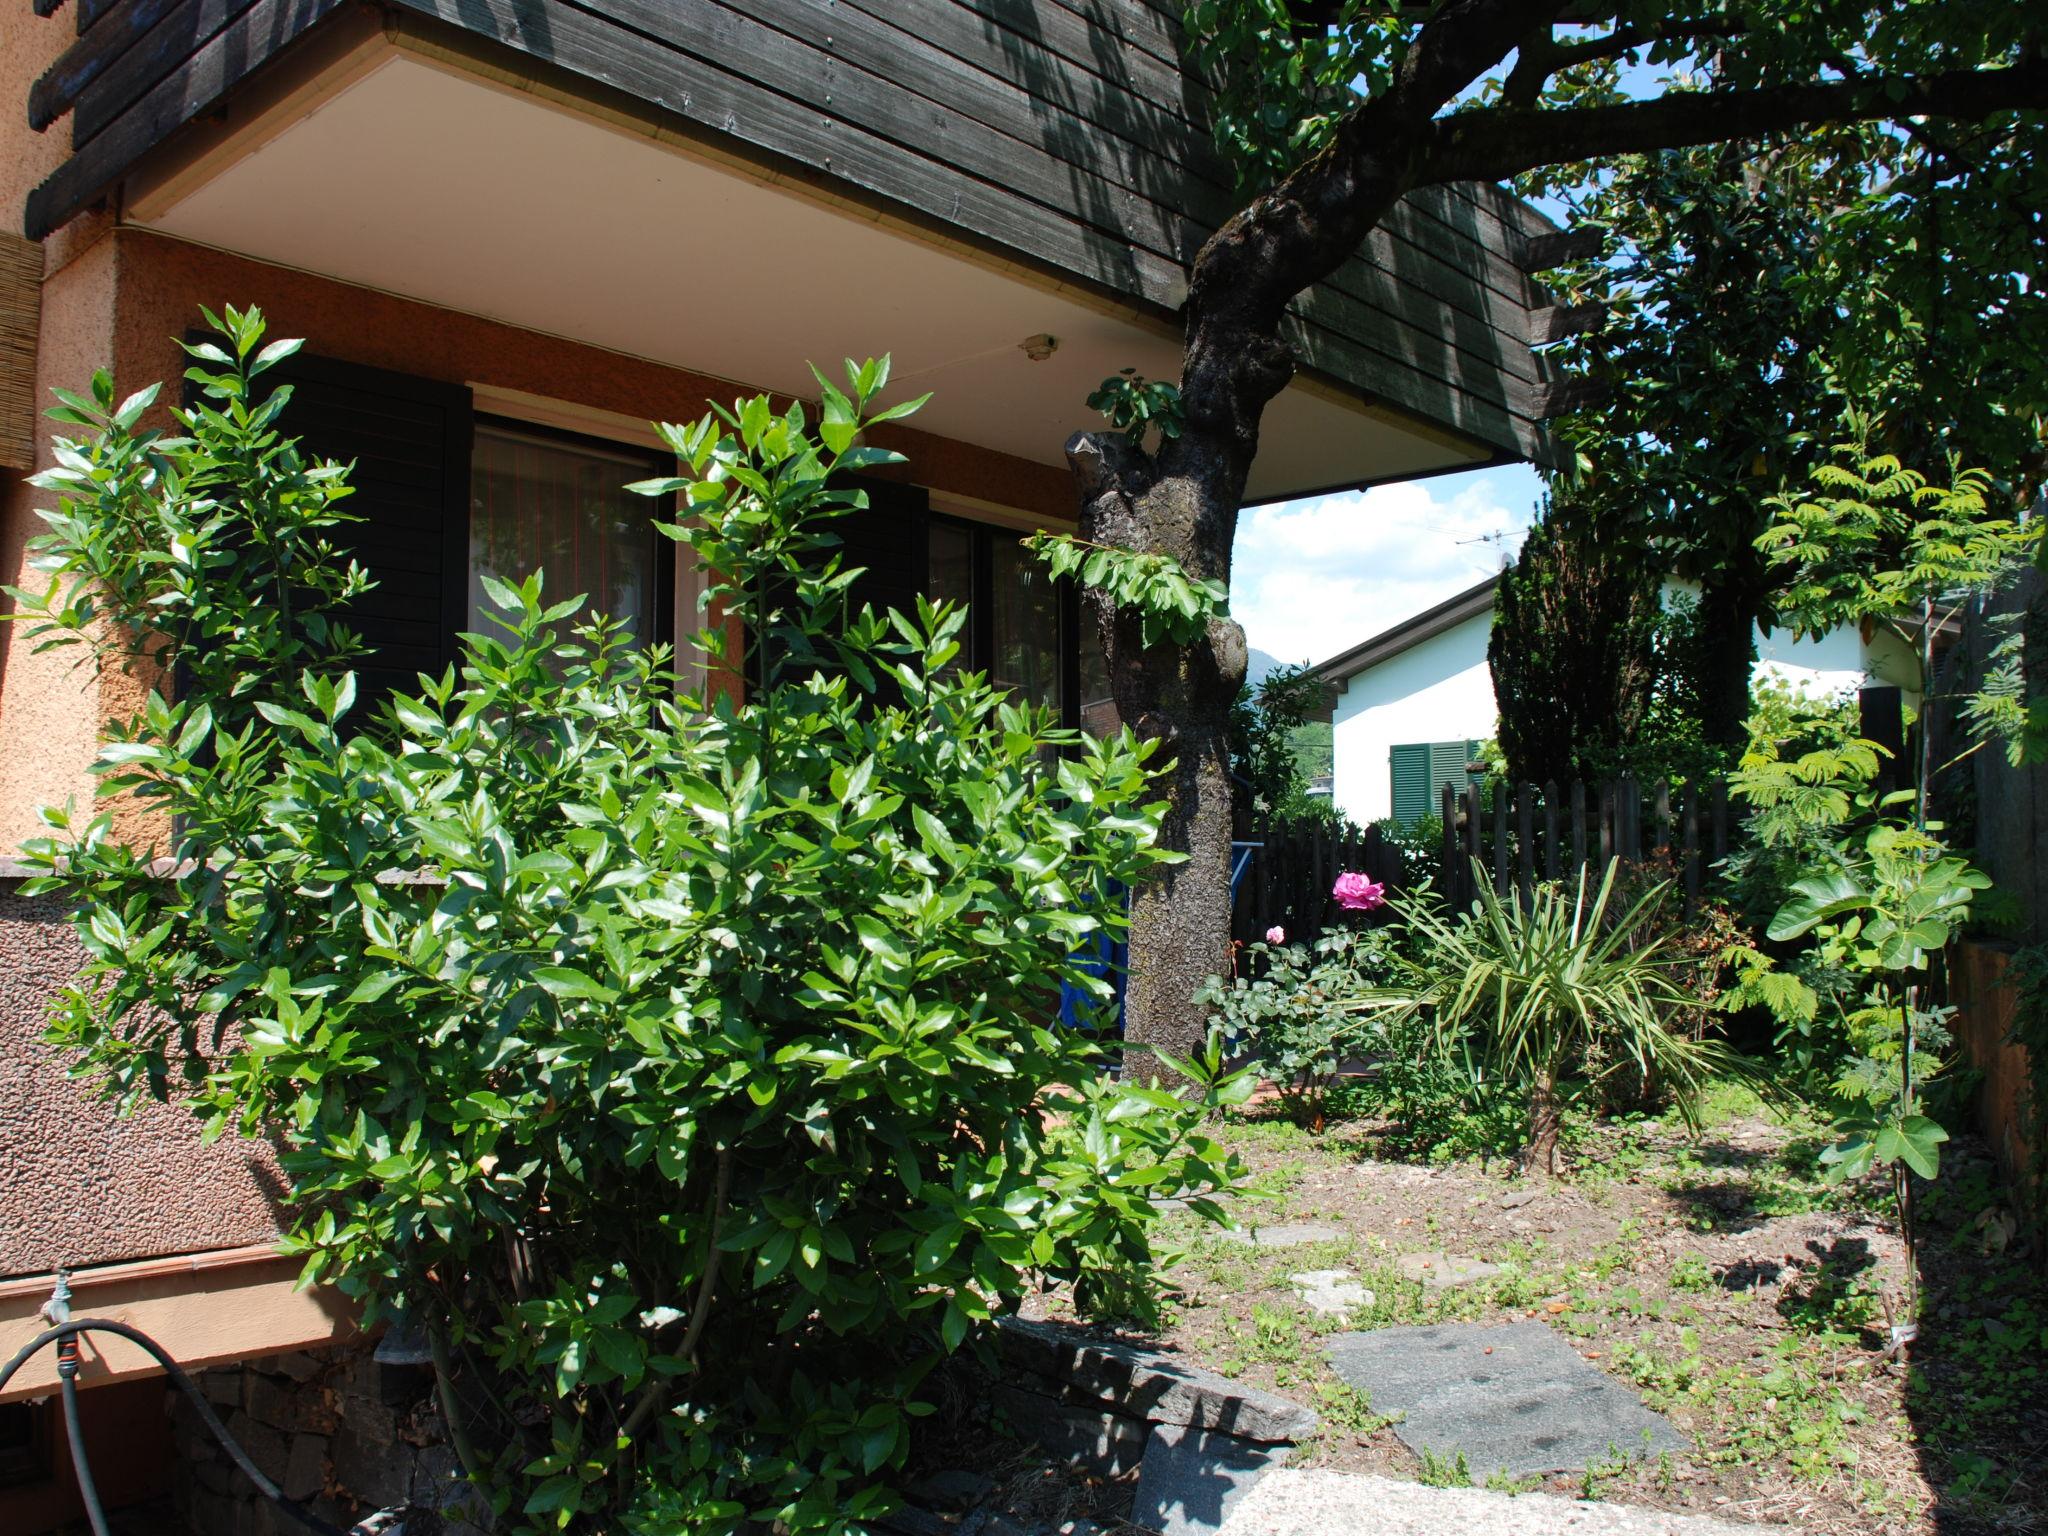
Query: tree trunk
[1180, 696]
[1546, 1120]
[1183, 499]
[1731, 602]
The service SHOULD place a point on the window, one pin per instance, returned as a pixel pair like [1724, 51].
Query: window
[1420, 770]
[547, 501]
[1021, 624]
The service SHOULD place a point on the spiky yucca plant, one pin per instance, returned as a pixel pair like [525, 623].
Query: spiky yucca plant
[1554, 995]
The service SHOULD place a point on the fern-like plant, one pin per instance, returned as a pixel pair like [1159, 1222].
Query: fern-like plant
[1553, 995]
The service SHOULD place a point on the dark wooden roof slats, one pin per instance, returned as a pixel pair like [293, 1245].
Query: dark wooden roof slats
[250, 42]
[144, 62]
[54, 93]
[1063, 57]
[1143, 26]
[958, 61]
[838, 72]
[1063, 131]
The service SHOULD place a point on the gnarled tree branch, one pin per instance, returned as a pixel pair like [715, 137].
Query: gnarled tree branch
[1487, 145]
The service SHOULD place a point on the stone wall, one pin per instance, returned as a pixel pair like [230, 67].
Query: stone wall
[338, 1431]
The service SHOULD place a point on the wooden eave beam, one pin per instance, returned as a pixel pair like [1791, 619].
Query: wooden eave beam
[1557, 322]
[1539, 253]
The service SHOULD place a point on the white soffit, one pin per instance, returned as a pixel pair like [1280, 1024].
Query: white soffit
[421, 182]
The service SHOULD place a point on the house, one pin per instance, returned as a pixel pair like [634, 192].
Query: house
[1410, 707]
[510, 232]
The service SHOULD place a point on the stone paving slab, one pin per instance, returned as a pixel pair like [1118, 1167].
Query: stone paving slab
[1315, 1502]
[1146, 1384]
[1515, 1398]
[1331, 1292]
[1191, 1479]
[1440, 1271]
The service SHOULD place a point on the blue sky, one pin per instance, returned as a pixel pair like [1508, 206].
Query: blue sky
[1312, 578]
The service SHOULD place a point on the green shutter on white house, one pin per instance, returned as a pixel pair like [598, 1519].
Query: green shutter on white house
[1420, 770]
[1448, 762]
[1410, 766]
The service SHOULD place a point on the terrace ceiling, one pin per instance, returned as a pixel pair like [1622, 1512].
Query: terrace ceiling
[420, 179]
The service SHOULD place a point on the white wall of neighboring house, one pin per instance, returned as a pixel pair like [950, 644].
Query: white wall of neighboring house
[1437, 690]
[1838, 661]
[1441, 689]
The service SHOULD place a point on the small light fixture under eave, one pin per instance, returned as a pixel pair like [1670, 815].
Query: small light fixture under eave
[1040, 347]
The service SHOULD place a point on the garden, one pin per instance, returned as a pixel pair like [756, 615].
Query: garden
[684, 1069]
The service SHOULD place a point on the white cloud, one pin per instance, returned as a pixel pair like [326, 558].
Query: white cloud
[1312, 578]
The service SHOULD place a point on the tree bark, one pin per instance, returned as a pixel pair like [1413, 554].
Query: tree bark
[1179, 696]
[1546, 1120]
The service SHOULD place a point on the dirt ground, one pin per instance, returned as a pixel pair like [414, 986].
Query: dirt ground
[1742, 1296]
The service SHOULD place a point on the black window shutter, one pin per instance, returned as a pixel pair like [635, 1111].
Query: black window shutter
[889, 540]
[409, 440]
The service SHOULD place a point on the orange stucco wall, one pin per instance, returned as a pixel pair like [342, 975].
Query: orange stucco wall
[29, 44]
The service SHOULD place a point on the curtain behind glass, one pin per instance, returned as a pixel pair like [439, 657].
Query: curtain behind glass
[1026, 624]
[558, 507]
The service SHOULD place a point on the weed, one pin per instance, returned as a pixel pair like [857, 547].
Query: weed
[1440, 1471]
[1785, 1413]
[1344, 1407]
[1690, 1273]
[1501, 1480]
[1599, 1473]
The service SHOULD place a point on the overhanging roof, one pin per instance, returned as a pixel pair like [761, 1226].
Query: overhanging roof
[1066, 139]
[1426, 625]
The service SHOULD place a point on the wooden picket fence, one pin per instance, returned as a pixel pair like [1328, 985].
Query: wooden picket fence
[1287, 884]
[1519, 834]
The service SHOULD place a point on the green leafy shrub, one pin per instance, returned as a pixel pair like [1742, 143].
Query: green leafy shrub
[686, 1067]
[1172, 605]
[1420, 844]
[1290, 1014]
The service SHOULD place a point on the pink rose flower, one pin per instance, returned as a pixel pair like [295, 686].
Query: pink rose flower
[1358, 893]
[1276, 935]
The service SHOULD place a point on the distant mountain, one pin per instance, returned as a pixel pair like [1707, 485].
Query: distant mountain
[1257, 664]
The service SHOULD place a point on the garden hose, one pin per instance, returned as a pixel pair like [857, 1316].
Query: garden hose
[65, 1335]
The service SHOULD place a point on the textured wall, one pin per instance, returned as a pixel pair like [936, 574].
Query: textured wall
[79, 1185]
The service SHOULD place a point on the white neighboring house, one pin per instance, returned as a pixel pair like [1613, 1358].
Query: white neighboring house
[1411, 705]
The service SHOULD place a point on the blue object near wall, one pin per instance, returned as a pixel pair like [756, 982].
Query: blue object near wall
[1107, 957]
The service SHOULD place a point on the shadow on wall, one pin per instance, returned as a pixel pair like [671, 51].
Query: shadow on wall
[80, 1184]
